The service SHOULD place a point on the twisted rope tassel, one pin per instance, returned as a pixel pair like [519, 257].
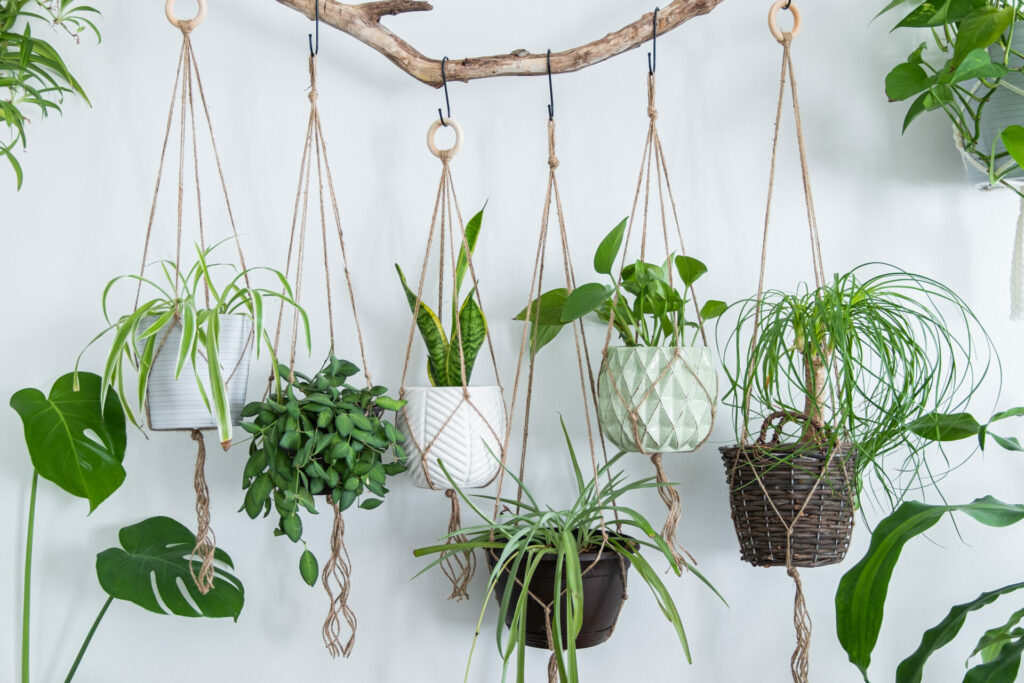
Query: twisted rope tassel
[672, 501]
[206, 542]
[459, 570]
[799, 663]
[552, 669]
[339, 571]
[1017, 270]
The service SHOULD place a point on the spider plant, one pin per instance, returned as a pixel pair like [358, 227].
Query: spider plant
[858, 359]
[194, 299]
[519, 540]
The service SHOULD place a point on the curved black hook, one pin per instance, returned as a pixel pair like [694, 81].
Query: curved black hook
[652, 56]
[788, 3]
[315, 52]
[447, 102]
[551, 92]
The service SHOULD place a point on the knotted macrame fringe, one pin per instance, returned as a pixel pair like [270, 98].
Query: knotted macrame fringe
[458, 567]
[337, 580]
[1017, 270]
[206, 542]
[672, 501]
[800, 661]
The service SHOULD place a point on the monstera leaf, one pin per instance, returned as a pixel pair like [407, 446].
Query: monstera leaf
[75, 441]
[151, 569]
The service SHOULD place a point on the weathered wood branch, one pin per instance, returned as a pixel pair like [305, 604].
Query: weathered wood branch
[362, 22]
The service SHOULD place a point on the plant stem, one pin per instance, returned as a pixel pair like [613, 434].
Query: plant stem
[26, 597]
[88, 639]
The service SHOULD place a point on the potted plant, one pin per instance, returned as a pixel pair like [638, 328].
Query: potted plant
[829, 377]
[196, 318]
[656, 392]
[973, 71]
[318, 436]
[574, 554]
[451, 420]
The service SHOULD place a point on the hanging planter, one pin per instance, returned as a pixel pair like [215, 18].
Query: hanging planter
[179, 403]
[657, 399]
[462, 430]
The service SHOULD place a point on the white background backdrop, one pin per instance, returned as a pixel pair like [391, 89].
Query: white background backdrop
[80, 218]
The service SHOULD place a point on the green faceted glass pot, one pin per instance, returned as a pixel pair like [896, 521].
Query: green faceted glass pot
[657, 399]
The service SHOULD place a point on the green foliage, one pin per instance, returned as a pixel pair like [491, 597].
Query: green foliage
[152, 567]
[319, 436]
[58, 431]
[966, 63]
[33, 75]
[957, 426]
[649, 308]
[193, 299]
[860, 599]
[860, 357]
[450, 357]
[520, 539]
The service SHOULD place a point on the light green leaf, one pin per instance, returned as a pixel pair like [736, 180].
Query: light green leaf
[604, 258]
[1013, 140]
[308, 567]
[690, 269]
[583, 300]
[979, 30]
[945, 427]
[906, 80]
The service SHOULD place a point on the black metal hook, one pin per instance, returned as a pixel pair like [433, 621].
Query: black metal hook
[652, 56]
[315, 52]
[447, 102]
[551, 92]
[788, 3]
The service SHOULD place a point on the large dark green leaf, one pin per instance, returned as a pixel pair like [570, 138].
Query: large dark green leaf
[430, 329]
[1002, 669]
[860, 599]
[979, 30]
[470, 336]
[152, 567]
[604, 258]
[73, 441]
[585, 299]
[906, 80]
[911, 669]
[472, 234]
[945, 427]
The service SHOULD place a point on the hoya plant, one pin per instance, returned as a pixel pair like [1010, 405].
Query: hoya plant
[969, 65]
[649, 301]
[451, 356]
[319, 436]
[190, 301]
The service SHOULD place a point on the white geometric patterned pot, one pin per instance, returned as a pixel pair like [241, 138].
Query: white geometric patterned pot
[670, 391]
[176, 404]
[439, 421]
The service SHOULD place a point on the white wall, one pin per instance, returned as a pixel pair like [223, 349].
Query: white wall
[80, 219]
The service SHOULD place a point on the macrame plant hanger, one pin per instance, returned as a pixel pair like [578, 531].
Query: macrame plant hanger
[799, 662]
[653, 164]
[553, 199]
[188, 78]
[458, 568]
[336, 576]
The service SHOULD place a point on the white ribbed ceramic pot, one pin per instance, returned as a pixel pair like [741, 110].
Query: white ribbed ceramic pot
[173, 404]
[465, 435]
[671, 391]
[1004, 108]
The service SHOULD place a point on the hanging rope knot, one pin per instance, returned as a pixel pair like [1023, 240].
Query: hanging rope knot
[787, 40]
[652, 112]
[313, 95]
[445, 155]
[337, 581]
[553, 162]
[460, 566]
[205, 539]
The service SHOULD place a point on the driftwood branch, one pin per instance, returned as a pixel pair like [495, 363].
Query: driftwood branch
[362, 22]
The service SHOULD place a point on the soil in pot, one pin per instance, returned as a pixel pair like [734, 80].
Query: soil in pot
[821, 536]
[604, 590]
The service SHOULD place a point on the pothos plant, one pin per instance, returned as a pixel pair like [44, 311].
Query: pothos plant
[857, 359]
[450, 357]
[965, 64]
[650, 309]
[194, 299]
[319, 436]
[32, 71]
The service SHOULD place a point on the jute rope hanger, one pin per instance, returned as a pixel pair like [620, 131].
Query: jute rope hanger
[799, 662]
[188, 79]
[459, 568]
[336, 576]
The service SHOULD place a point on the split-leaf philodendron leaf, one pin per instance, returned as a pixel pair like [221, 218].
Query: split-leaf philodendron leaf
[75, 441]
[151, 569]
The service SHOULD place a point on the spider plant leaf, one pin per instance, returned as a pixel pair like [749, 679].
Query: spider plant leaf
[145, 363]
[218, 391]
[188, 339]
[432, 333]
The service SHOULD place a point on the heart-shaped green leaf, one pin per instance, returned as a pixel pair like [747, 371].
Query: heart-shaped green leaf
[151, 569]
[74, 441]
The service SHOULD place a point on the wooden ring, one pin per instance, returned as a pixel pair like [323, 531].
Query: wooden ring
[773, 19]
[185, 24]
[454, 149]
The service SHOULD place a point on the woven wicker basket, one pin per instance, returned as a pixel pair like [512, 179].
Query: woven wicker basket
[822, 534]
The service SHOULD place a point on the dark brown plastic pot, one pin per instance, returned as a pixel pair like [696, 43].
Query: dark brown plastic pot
[604, 590]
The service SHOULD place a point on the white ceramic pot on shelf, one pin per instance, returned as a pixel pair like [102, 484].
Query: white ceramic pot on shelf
[176, 404]
[671, 392]
[465, 435]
